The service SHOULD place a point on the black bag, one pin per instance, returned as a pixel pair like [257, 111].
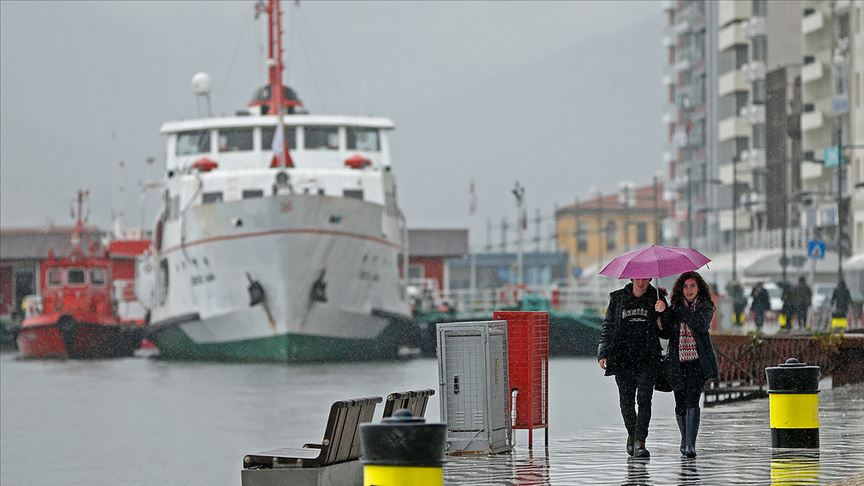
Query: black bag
[662, 383]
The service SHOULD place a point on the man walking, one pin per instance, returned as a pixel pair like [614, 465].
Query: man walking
[761, 302]
[630, 350]
[802, 297]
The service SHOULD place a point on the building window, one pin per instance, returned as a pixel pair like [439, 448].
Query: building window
[581, 236]
[252, 193]
[759, 136]
[611, 235]
[55, 277]
[194, 142]
[759, 92]
[641, 233]
[416, 272]
[235, 139]
[760, 8]
[97, 277]
[321, 138]
[76, 276]
[267, 137]
[760, 48]
[365, 139]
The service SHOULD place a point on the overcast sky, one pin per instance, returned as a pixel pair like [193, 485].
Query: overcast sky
[561, 96]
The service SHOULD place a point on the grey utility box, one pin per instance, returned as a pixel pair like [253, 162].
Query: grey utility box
[475, 387]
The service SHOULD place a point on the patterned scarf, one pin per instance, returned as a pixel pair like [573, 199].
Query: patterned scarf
[686, 342]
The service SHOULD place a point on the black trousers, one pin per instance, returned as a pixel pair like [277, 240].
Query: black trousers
[636, 387]
[694, 382]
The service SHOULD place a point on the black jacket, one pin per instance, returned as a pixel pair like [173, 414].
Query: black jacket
[699, 322]
[612, 341]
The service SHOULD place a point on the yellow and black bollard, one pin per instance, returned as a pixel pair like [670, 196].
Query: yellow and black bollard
[793, 391]
[403, 450]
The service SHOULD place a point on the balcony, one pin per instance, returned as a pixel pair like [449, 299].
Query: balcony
[667, 41]
[667, 5]
[754, 158]
[730, 10]
[812, 72]
[733, 127]
[667, 80]
[731, 35]
[682, 27]
[670, 114]
[812, 22]
[812, 120]
[811, 170]
[731, 82]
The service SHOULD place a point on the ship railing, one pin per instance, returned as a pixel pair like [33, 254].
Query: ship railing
[484, 301]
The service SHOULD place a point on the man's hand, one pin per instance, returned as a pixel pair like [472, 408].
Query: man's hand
[602, 363]
[660, 306]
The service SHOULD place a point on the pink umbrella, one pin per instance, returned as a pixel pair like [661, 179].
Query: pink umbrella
[654, 261]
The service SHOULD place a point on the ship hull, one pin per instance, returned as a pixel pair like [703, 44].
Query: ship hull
[68, 338]
[327, 270]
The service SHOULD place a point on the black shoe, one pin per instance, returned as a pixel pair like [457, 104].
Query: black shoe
[639, 449]
[692, 429]
[682, 428]
[630, 445]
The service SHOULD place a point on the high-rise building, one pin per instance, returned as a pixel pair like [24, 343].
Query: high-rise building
[855, 167]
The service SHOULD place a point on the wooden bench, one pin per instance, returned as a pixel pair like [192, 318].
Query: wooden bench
[341, 441]
[415, 401]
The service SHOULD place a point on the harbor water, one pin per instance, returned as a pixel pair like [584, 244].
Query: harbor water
[141, 421]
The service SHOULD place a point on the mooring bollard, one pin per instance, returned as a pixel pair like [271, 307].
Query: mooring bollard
[793, 395]
[403, 450]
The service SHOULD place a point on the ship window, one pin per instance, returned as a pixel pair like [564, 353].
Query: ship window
[194, 142]
[267, 137]
[162, 278]
[97, 277]
[235, 139]
[322, 138]
[55, 277]
[76, 276]
[211, 197]
[365, 139]
[353, 193]
[252, 193]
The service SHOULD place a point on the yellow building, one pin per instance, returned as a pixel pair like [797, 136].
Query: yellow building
[595, 230]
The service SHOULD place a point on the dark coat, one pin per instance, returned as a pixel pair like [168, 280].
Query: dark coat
[611, 340]
[699, 322]
[761, 300]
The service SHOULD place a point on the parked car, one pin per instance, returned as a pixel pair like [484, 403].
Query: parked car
[822, 295]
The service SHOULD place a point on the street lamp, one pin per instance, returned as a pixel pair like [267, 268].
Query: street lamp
[519, 194]
[734, 217]
[625, 197]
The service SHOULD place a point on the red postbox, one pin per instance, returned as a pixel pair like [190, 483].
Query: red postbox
[528, 356]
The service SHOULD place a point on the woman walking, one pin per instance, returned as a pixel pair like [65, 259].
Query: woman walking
[690, 360]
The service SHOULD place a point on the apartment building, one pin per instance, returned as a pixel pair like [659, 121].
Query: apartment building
[856, 157]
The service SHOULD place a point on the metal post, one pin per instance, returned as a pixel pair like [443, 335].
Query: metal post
[656, 215]
[839, 201]
[689, 207]
[734, 217]
[519, 193]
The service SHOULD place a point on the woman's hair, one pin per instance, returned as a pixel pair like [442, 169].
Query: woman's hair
[678, 288]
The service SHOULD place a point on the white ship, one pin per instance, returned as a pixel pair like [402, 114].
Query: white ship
[285, 250]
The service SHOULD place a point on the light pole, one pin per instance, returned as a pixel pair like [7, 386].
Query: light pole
[689, 208]
[657, 237]
[734, 217]
[519, 193]
[625, 197]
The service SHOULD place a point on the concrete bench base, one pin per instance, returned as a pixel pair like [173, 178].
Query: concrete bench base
[343, 474]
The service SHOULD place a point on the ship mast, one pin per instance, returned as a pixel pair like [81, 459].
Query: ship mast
[275, 67]
[79, 224]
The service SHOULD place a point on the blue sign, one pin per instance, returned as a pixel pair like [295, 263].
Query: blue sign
[577, 272]
[503, 274]
[832, 156]
[816, 249]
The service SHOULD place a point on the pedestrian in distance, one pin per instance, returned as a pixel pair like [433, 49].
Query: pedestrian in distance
[840, 299]
[690, 358]
[761, 302]
[630, 350]
[802, 296]
[739, 301]
[787, 312]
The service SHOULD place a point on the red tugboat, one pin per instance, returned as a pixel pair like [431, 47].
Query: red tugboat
[78, 316]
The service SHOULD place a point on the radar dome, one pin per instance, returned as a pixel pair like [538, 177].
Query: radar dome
[201, 84]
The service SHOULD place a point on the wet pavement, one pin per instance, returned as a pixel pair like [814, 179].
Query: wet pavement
[734, 447]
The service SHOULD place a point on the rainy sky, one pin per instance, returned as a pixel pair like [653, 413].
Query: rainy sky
[560, 96]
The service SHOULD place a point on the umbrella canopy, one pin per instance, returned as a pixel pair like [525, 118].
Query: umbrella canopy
[654, 261]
